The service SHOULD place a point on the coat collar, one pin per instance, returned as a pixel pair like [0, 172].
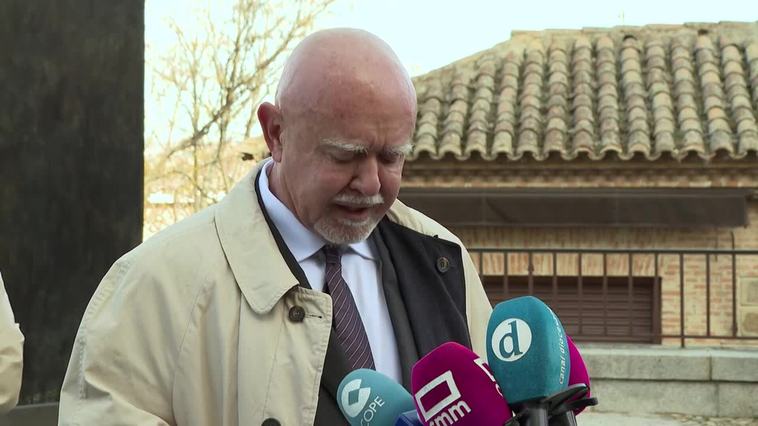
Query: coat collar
[301, 241]
[250, 248]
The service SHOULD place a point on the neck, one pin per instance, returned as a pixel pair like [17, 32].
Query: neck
[277, 186]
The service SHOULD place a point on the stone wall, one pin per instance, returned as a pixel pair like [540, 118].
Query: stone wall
[71, 168]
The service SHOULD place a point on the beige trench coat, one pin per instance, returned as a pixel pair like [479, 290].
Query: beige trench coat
[11, 354]
[192, 327]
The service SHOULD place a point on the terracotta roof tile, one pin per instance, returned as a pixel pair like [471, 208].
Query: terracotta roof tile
[654, 91]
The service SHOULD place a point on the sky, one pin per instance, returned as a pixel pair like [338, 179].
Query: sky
[429, 34]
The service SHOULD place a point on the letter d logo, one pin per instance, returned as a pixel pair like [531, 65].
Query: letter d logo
[511, 339]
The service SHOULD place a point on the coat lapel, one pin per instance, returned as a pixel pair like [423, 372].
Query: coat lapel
[264, 278]
[336, 366]
[406, 345]
[430, 283]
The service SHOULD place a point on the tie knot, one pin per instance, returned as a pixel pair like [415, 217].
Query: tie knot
[332, 254]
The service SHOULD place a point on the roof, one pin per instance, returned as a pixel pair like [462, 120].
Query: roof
[651, 92]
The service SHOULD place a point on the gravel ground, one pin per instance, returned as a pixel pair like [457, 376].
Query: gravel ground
[620, 419]
[713, 421]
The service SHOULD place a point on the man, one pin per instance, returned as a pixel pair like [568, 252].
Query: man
[11, 354]
[252, 311]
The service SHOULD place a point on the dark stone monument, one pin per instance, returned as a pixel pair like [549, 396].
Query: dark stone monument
[71, 168]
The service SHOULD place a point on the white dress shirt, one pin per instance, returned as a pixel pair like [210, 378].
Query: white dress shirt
[361, 269]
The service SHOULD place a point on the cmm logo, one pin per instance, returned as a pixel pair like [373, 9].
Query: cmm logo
[354, 397]
[511, 339]
[443, 406]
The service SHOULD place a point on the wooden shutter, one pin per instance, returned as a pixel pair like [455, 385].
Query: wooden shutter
[591, 310]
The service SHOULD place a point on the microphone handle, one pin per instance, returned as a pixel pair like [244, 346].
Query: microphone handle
[536, 416]
[564, 419]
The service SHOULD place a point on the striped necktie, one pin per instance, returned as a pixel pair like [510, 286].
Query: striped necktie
[346, 319]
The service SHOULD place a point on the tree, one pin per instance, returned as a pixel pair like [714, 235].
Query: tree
[209, 85]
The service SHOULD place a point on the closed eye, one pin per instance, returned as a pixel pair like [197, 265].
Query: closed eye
[391, 157]
[342, 156]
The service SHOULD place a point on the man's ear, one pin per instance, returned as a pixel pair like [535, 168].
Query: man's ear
[270, 118]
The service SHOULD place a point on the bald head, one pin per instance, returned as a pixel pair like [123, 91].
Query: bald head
[343, 121]
[333, 70]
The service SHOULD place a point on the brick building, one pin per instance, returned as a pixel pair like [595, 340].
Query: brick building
[641, 140]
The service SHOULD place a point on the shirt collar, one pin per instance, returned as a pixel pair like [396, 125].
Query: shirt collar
[302, 242]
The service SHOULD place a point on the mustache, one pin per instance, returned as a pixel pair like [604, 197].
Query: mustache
[358, 200]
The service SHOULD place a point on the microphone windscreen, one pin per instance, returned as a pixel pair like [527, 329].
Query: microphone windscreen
[527, 350]
[451, 385]
[578, 372]
[367, 397]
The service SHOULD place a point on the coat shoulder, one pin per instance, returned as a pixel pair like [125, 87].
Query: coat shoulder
[177, 262]
[187, 243]
[419, 222]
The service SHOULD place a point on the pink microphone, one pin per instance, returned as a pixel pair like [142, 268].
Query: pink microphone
[451, 385]
[578, 372]
[564, 414]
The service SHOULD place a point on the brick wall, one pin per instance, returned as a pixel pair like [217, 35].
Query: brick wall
[673, 176]
[644, 265]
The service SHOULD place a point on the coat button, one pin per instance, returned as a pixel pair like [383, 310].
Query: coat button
[271, 422]
[296, 314]
[443, 264]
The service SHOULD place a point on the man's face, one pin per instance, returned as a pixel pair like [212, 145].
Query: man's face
[342, 168]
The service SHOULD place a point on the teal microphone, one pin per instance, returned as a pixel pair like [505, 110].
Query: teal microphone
[528, 354]
[368, 398]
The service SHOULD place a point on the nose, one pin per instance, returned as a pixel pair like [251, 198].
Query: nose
[366, 177]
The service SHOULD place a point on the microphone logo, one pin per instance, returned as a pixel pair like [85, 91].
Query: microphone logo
[443, 393]
[511, 339]
[354, 397]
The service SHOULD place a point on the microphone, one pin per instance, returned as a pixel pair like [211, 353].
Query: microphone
[578, 372]
[528, 354]
[565, 413]
[368, 398]
[451, 385]
[409, 418]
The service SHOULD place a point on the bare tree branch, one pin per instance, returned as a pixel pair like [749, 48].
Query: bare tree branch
[211, 82]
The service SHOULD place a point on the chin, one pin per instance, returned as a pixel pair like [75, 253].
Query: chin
[344, 232]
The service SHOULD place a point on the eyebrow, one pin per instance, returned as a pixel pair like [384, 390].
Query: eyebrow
[346, 145]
